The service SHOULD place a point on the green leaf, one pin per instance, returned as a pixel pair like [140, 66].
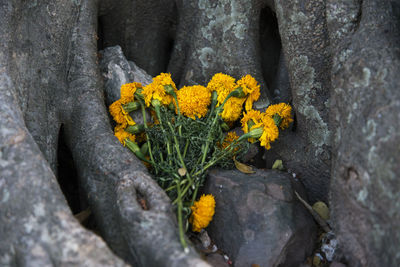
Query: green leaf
[278, 165]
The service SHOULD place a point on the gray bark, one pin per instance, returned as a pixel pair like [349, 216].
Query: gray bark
[365, 199]
[330, 56]
[50, 78]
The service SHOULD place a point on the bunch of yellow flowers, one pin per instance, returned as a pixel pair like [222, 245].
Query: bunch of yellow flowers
[187, 134]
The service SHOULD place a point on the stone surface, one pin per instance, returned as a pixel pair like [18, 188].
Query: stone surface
[216, 260]
[365, 185]
[116, 71]
[258, 220]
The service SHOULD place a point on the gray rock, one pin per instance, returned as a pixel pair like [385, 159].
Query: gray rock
[258, 220]
[116, 71]
[216, 260]
[139, 75]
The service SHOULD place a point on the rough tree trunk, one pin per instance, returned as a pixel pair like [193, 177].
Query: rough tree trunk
[320, 55]
[365, 185]
[49, 78]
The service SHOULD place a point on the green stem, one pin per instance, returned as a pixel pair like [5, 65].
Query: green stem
[194, 194]
[186, 148]
[158, 113]
[135, 149]
[147, 136]
[218, 110]
[205, 150]
[131, 106]
[170, 90]
[183, 165]
[183, 193]
[177, 105]
[277, 119]
[214, 101]
[174, 186]
[161, 156]
[180, 222]
[227, 150]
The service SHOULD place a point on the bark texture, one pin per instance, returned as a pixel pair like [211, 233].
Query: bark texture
[365, 199]
[50, 78]
[321, 56]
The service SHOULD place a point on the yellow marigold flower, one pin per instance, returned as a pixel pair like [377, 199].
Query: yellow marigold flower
[284, 111]
[229, 138]
[232, 109]
[251, 119]
[270, 132]
[116, 112]
[128, 118]
[156, 90]
[121, 134]
[202, 212]
[194, 101]
[223, 84]
[119, 114]
[127, 92]
[251, 88]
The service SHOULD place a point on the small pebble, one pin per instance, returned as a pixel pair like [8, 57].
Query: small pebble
[205, 239]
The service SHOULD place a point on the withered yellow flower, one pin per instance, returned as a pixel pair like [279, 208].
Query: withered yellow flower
[116, 112]
[156, 90]
[194, 101]
[251, 119]
[229, 138]
[251, 88]
[270, 132]
[119, 115]
[121, 134]
[232, 109]
[202, 212]
[284, 111]
[127, 92]
[223, 84]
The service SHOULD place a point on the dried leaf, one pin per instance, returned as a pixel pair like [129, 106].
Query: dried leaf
[182, 171]
[322, 209]
[324, 225]
[278, 165]
[316, 261]
[83, 215]
[243, 167]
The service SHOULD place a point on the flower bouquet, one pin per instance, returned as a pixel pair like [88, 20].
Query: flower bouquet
[187, 133]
